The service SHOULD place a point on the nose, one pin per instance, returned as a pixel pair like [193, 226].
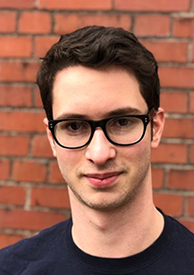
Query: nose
[100, 150]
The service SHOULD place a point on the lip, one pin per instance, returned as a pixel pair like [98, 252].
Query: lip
[103, 180]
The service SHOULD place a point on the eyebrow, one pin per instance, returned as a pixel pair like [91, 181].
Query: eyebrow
[124, 111]
[116, 112]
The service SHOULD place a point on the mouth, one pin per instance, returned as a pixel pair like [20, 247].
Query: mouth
[103, 180]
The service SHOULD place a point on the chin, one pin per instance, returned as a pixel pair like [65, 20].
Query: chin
[110, 204]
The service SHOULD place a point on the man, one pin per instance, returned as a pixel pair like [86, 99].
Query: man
[100, 91]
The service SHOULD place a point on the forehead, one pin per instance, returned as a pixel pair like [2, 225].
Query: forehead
[94, 93]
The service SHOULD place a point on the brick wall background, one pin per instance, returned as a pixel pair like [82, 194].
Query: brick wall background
[33, 194]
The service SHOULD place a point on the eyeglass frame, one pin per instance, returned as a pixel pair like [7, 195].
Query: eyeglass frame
[146, 119]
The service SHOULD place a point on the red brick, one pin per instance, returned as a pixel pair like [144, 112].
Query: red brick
[15, 46]
[17, 4]
[7, 21]
[190, 206]
[29, 171]
[192, 57]
[152, 25]
[75, 21]
[55, 174]
[43, 44]
[170, 153]
[168, 99]
[14, 145]
[151, 5]
[183, 27]
[38, 102]
[29, 220]
[188, 223]
[75, 5]
[167, 51]
[179, 128]
[20, 71]
[191, 102]
[15, 96]
[35, 22]
[181, 179]
[157, 178]
[180, 77]
[50, 197]
[4, 169]
[8, 239]
[192, 153]
[171, 204]
[12, 195]
[22, 121]
[41, 147]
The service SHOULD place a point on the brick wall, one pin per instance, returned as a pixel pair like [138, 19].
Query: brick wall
[33, 194]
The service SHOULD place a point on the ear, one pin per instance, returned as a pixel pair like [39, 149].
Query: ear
[50, 137]
[157, 127]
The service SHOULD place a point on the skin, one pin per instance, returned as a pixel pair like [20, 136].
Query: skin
[106, 181]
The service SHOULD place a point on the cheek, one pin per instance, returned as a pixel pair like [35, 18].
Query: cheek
[140, 152]
[68, 161]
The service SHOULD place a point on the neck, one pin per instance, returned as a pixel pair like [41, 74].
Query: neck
[118, 233]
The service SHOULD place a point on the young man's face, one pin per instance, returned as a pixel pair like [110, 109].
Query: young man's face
[102, 175]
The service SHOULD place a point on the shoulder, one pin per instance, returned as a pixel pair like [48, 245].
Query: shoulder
[176, 248]
[181, 232]
[181, 242]
[175, 229]
[18, 256]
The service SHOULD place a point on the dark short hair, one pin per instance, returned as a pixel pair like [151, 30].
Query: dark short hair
[100, 47]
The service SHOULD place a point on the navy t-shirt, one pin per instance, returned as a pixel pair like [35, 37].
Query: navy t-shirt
[53, 252]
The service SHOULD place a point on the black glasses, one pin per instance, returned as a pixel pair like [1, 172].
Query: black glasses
[124, 130]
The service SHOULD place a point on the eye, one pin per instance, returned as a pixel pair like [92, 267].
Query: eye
[123, 125]
[73, 127]
[123, 122]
